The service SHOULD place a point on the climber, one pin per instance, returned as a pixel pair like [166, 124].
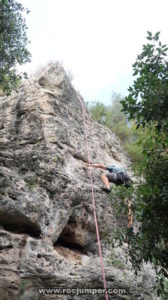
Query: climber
[114, 174]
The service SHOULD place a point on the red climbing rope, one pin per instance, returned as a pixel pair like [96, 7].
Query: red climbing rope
[93, 200]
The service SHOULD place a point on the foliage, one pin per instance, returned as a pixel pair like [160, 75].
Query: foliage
[98, 112]
[115, 261]
[119, 201]
[147, 100]
[108, 115]
[150, 242]
[13, 42]
[23, 286]
[117, 121]
[31, 183]
[134, 152]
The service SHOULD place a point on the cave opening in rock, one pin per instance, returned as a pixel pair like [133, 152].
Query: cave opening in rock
[5, 247]
[20, 224]
[64, 243]
[71, 238]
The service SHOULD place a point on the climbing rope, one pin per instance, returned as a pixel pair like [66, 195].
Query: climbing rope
[127, 201]
[93, 199]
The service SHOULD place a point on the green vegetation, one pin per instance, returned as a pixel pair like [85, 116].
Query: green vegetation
[23, 285]
[31, 183]
[117, 121]
[147, 106]
[147, 99]
[143, 130]
[114, 261]
[127, 298]
[31, 285]
[38, 281]
[13, 42]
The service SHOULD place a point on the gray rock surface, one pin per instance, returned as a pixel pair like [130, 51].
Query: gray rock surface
[47, 233]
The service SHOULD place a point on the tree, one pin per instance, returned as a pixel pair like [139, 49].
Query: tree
[111, 116]
[151, 86]
[13, 42]
[147, 103]
[98, 111]
[117, 121]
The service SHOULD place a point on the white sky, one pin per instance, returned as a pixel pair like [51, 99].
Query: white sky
[97, 40]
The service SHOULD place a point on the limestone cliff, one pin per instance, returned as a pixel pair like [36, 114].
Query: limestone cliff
[47, 233]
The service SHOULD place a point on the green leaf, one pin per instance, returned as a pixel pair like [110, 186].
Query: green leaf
[157, 35]
[135, 73]
[149, 38]
[149, 33]
[13, 43]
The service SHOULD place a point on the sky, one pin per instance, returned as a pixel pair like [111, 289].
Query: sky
[96, 40]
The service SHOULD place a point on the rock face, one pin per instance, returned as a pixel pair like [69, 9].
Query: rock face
[47, 233]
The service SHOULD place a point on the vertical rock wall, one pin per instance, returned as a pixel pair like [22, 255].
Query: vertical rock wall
[47, 233]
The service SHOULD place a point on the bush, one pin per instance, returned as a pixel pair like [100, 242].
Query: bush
[117, 121]
[134, 152]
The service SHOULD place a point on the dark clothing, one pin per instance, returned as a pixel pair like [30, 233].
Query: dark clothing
[118, 176]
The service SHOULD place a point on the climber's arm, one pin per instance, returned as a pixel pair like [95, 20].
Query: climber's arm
[98, 166]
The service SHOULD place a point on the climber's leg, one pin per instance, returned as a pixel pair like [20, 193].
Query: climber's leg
[105, 181]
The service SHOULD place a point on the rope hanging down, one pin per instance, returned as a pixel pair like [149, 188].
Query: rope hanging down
[93, 200]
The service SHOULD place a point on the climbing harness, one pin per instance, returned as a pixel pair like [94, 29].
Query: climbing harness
[93, 199]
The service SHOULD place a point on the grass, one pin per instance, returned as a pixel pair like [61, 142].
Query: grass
[114, 261]
[31, 183]
[23, 285]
